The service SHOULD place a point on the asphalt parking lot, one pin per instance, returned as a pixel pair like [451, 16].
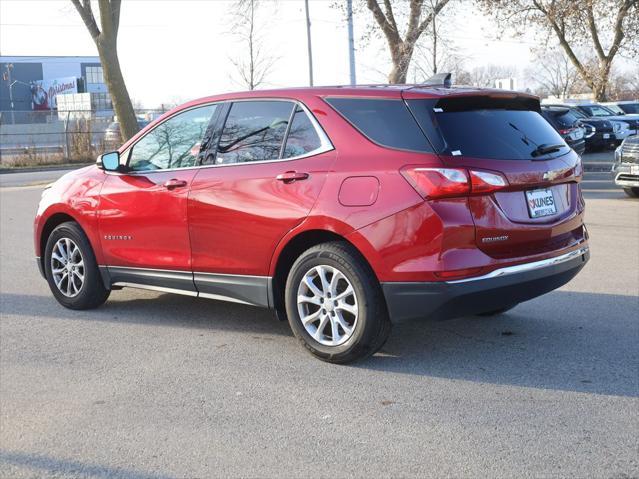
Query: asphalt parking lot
[153, 385]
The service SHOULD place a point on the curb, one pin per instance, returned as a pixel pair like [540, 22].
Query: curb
[37, 169]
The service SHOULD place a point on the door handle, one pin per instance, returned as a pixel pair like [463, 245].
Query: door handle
[291, 176]
[174, 183]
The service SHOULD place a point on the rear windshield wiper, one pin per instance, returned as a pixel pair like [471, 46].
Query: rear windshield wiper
[544, 149]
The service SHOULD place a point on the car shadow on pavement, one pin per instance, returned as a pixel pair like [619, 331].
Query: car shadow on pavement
[582, 342]
[157, 309]
[51, 466]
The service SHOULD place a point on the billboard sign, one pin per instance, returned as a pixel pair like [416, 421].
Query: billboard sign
[44, 92]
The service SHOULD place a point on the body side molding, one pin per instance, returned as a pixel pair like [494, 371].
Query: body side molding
[251, 290]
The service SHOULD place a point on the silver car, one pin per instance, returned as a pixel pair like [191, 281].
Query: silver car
[625, 169]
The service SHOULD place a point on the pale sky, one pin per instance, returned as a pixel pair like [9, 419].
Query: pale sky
[178, 50]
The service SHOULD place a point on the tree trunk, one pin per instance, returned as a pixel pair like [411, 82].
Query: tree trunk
[401, 56]
[117, 88]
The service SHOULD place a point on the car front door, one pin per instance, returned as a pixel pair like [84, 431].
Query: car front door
[260, 178]
[143, 211]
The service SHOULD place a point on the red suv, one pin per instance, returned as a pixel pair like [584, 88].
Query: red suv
[341, 208]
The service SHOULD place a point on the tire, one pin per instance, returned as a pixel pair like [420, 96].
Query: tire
[497, 312]
[365, 332]
[632, 192]
[86, 293]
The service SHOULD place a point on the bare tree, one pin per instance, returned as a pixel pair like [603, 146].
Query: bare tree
[106, 40]
[255, 66]
[419, 18]
[606, 27]
[484, 76]
[555, 75]
[436, 50]
[624, 85]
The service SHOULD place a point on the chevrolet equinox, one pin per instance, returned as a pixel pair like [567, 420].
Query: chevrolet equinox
[343, 209]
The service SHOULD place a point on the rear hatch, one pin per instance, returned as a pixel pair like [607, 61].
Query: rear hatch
[538, 208]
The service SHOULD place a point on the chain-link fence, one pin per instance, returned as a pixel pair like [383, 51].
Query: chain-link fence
[29, 138]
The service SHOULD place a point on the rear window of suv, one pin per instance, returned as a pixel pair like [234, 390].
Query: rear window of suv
[483, 127]
[386, 122]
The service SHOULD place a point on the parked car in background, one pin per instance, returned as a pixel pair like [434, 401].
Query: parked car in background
[112, 136]
[604, 130]
[568, 126]
[625, 169]
[600, 111]
[341, 208]
[627, 107]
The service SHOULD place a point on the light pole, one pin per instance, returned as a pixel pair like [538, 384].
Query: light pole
[308, 43]
[7, 77]
[351, 41]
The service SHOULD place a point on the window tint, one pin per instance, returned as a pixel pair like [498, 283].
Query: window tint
[504, 134]
[566, 119]
[383, 121]
[254, 131]
[596, 110]
[630, 107]
[174, 143]
[302, 137]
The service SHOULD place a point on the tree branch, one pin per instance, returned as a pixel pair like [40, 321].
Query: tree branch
[435, 11]
[106, 19]
[87, 17]
[593, 32]
[389, 14]
[391, 34]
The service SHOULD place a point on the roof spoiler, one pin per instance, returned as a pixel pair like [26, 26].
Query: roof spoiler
[439, 79]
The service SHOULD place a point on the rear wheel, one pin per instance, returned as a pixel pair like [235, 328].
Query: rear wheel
[71, 269]
[335, 305]
[632, 192]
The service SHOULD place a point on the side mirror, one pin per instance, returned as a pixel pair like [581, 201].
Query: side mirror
[109, 161]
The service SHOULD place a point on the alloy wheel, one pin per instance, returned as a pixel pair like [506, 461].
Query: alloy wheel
[327, 305]
[67, 267]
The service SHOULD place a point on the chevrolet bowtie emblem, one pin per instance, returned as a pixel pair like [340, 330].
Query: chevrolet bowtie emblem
[551, 175]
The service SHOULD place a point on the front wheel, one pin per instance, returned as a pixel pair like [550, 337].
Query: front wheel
[335, 305]
[632, 192]
[71, 269]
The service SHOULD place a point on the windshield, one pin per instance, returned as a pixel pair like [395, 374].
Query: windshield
[502, 134]
[597, 110]
[615, 109]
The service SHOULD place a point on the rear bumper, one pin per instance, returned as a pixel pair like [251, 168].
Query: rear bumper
[498, 289]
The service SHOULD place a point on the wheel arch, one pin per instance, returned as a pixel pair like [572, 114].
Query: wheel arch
[52, 222]
[290, 251]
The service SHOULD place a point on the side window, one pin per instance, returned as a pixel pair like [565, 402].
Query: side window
[302, 137]
[254, 131]
[386, 122]
[174, 143]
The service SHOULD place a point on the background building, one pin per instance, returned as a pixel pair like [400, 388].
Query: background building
[32, 83]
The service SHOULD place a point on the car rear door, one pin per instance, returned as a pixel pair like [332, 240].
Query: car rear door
[539, 209]
[260, 177]
[143, 212]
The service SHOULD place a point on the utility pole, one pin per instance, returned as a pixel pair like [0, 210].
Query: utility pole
[7, 77]
[351, 41]
[308, 43]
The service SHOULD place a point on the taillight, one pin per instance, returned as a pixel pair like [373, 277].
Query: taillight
[485, 182]
[565, 131]
[437, 182]
[432, 183]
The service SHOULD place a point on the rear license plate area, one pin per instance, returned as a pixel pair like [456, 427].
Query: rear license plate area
[541, 202]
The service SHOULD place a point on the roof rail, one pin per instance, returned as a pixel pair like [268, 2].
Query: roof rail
[439, 79]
